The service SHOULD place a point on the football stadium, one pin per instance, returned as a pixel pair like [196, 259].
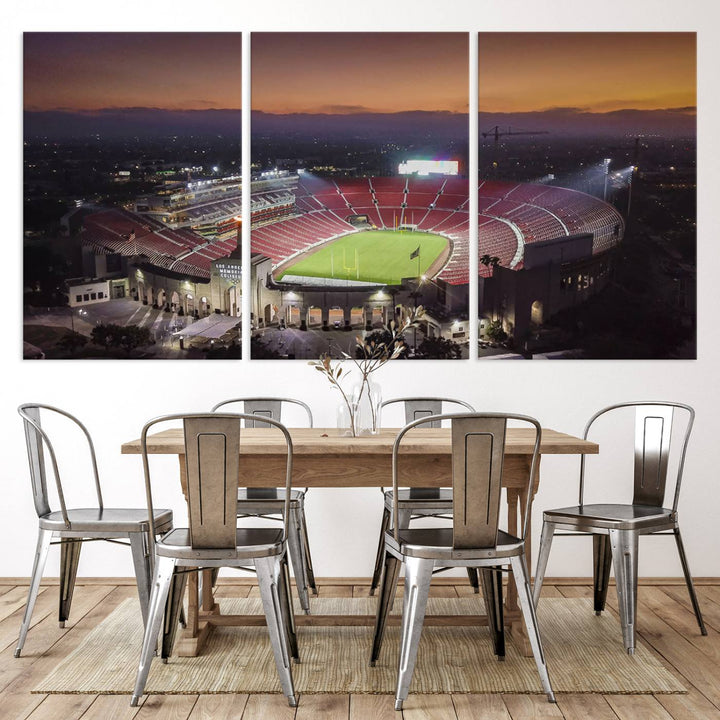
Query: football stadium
[324, 250]
[424, 213]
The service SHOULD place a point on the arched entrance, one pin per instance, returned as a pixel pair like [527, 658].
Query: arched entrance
[336, 317]
[314, 316]
[189, 304]
[160, 298]
[292, 315]
[536, 313]
[175, 302]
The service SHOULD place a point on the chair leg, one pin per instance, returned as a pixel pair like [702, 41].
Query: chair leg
[689, 580]
[307, 558]
[143, 570]
[546, 538]
[624, 545]
[418, 574]
[296, 557]
[474, 580]
[602, 561]
[41, 552]
[493, 597]
[69, 558]
[286, 608]
[380, 557]
[173, 607]
[385, 602]
[164, 571]
[268, 574]
[522, 582]
[404, 518]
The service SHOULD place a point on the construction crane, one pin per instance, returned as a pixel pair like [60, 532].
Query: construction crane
[495, 132]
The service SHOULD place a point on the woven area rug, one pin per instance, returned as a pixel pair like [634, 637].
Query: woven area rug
[584, 655]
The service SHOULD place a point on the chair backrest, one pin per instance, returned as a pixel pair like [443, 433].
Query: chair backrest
[37, 442]
[264, 407]
[478, 449]
[653, 436]
[421, 407]
[212, 457]
[212, 461]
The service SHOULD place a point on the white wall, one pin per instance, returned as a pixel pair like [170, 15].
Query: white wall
[115, 398]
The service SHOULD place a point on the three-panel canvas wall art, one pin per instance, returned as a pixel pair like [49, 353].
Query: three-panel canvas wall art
[362, 219]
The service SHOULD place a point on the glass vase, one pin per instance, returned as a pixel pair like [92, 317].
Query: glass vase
[346, 419]
[367, 397]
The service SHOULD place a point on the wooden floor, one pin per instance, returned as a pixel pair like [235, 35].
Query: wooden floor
[665, 623]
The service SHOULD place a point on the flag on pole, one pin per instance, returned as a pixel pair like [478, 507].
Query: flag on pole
[415, 253]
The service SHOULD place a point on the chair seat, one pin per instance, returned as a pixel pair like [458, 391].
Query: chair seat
[419, 499]
[273, 499]
[617, 517]
[437, 543]
[120, 520]
[250, 543]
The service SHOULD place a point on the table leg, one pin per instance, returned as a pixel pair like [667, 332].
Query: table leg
[511, 599]
[193, 615]
[193, 638]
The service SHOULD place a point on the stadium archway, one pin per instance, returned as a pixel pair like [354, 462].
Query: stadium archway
[189, 304]
[536, 313]
[336, 317]
[268, 313]
[314, 316]
[292, 315]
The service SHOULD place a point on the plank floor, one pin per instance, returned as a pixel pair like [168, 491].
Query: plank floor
[665, 623]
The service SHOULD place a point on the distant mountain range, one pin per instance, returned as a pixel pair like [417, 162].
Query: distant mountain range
[670, 122]
[116, 123]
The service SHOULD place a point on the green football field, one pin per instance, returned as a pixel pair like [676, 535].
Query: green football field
[381, 256]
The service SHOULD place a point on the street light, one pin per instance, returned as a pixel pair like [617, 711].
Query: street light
[607, 172]
[81, 312]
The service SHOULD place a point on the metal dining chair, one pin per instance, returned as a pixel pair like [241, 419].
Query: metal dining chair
[268, 502]
[71, 527]
[213, 540]
[474, 540]
[416, 503]
[616, 528]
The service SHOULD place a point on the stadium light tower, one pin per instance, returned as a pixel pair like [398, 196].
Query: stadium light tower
[607, 172]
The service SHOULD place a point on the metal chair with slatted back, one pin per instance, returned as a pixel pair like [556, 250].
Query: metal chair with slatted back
[474, 540]
[616, 528]
[213, 539]
[71, 527]
[417, 502]
[268, 502]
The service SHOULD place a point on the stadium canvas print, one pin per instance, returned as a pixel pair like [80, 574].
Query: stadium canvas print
[587, 195]
[132, 195]
[359, 192]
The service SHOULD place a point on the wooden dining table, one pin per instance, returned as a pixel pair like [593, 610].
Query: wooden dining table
[324, 458]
